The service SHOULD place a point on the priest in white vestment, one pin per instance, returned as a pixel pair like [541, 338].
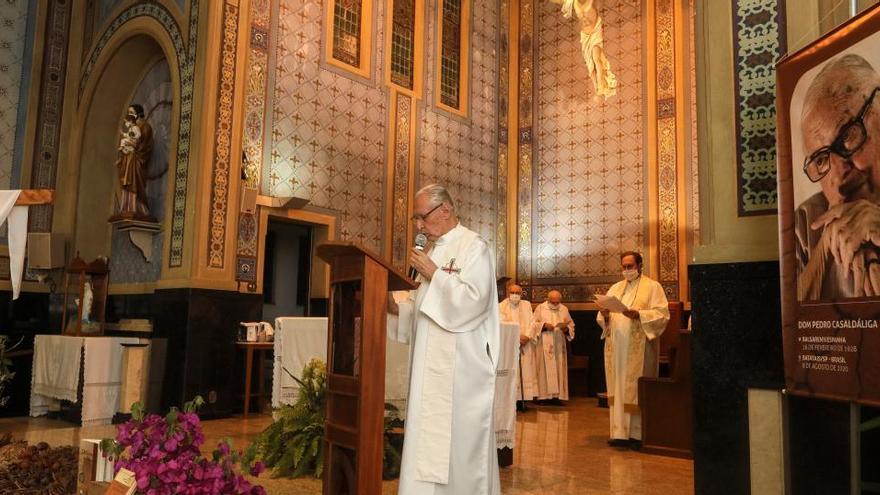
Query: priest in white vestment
[453, 326]
[554, 328]
[631, 347]
[516, 310]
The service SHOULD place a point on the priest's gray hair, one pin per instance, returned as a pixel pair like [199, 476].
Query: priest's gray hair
[839, 82]
[437, 194]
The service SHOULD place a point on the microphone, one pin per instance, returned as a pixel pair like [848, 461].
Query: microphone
[421, 240]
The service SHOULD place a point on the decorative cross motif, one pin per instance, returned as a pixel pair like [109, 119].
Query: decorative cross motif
[451, 268]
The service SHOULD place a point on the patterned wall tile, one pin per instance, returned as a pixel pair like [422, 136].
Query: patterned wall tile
[254, 136]
[13, 32]
[103, 9]
[51, 98]
[759, 41]
[694, 145]
[501, 175]
[462, 154]
[223, 139]
[589, 186]
[328, 130]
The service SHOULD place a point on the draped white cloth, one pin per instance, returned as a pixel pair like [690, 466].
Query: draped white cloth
[56, 375]
[102, 382]
[552, 351]
[452, 323]
[298, 340]
[17, 217]
[521, 313]
[506, 385]
[632, 351]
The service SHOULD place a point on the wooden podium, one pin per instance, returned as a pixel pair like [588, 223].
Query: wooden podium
[354, 421]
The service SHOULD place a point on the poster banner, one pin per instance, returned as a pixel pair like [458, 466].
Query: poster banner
[828, 145]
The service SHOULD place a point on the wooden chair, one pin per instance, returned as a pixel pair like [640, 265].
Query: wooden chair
[667, 406]
[669, 339]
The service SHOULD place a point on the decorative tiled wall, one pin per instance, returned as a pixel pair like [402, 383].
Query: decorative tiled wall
[459, 153]
[759, 41]
[589, 187]
[328, 131]
[51, 98]
[254, 134]
[13, 50]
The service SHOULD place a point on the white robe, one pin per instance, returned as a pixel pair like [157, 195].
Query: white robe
[527, 382]
[632, 351]
[552, 362]
[449, 440]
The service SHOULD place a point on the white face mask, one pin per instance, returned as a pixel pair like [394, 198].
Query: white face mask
[553, 306]
[515, 298]
[630, 275]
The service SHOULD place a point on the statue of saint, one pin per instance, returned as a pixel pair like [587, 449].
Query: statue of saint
[135, 148]
[592, 44]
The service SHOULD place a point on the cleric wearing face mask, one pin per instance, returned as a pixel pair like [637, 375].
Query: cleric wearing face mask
[554, 328]
[631, 346]
[516, 310]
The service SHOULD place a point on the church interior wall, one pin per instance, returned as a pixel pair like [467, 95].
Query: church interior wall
[591, 172]
[737, 255]
[16, 48]
[461, 152]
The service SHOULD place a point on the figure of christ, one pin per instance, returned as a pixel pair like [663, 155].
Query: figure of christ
[592, 44]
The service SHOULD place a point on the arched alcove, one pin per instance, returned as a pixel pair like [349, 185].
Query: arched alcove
[137, 61]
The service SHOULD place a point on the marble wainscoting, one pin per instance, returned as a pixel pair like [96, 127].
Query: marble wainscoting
[200, 327]
[736, 345]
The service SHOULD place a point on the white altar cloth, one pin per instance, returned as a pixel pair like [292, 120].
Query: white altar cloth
[56, 375]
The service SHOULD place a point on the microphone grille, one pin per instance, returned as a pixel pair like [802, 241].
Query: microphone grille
[421, 240]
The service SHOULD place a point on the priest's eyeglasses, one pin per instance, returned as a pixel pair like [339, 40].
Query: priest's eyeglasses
[417, 217]
[849, 141]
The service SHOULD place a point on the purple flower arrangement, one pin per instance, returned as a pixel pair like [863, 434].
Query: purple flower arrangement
[165, 455]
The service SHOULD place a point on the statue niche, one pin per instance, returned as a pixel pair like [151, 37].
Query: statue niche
[135, 148]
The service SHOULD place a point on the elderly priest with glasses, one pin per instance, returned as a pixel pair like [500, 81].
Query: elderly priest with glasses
[452, 323]
[838, 228]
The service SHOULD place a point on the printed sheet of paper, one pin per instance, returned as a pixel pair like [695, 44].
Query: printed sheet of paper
[611, 303]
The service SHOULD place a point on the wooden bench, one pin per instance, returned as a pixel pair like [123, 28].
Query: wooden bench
[667, 405]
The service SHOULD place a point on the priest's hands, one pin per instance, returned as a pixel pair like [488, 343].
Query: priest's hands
[563, 326]
[548, 327]
[523, 339]
[631, 314]
[605, 314]
[420, 260]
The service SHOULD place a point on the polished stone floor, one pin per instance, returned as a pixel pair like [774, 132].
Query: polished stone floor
[559, 450]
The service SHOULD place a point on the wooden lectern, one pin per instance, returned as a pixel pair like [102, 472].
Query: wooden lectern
[354, 421]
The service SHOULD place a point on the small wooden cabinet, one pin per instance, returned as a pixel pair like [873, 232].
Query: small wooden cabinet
[85, 285]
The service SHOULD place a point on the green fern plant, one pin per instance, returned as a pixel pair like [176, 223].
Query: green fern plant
[293, 445]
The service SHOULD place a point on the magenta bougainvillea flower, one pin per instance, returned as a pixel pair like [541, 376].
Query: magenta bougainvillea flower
[165, 456]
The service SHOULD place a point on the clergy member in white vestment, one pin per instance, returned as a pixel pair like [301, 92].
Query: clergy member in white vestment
[449, 442]
[631, 347]
[516, 310]
[554, 326]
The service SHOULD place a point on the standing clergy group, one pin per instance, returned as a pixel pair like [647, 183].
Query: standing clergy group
[544, 334]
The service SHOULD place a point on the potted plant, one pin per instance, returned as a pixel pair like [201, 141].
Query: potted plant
[293, 445]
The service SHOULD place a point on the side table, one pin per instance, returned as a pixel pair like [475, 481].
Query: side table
[250, 348]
